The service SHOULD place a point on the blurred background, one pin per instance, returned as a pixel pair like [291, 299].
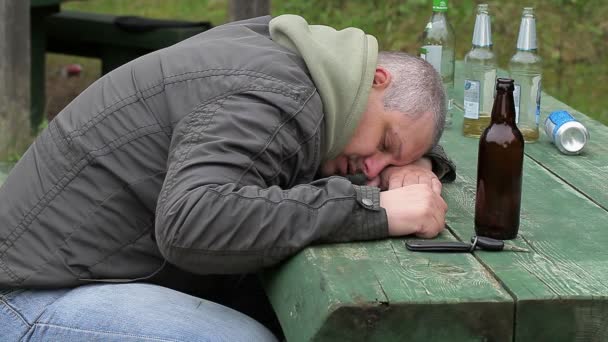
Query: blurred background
[572, 36]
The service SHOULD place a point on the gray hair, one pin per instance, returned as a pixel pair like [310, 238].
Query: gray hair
[416, 88]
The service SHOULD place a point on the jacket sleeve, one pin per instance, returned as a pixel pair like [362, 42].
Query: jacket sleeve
[443, 167]
[217, 211]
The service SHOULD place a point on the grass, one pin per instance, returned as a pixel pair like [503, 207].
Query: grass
[572, 34]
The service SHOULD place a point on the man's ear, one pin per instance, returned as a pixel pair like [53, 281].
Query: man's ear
[382, 78]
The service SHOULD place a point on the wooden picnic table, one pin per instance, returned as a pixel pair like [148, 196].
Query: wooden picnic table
[379, 291]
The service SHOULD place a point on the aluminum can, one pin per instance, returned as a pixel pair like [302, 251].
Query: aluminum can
[566, 133]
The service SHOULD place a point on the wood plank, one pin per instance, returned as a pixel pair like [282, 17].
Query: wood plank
[379, 291]
[561, 288]
[588, 171]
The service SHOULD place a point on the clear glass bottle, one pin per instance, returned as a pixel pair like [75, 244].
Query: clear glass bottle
[479, 77]
[525, 68]
[438, 48]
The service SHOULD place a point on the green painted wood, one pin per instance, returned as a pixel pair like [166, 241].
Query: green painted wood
[68, 31]
[379, 291]
[45, 3]
[587, 171]
[90, 35]
[561, 288]
[112, 57]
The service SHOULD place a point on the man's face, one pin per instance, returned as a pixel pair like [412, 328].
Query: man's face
[382, 138]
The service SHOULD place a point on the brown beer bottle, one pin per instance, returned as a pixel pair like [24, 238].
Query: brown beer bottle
[499, 169]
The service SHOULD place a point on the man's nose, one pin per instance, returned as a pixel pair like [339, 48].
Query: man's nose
[373, 165]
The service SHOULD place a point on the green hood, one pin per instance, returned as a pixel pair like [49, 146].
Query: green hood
[342, 65]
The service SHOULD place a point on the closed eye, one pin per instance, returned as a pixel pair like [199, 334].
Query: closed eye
[384, 146]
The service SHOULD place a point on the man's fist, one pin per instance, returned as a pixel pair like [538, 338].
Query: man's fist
[414, 209]
[418, 172]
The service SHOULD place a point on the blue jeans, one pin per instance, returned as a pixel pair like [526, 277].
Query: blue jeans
[121, 312]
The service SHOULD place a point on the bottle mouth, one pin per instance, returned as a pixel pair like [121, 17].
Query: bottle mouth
[505, 84]
[505, 80]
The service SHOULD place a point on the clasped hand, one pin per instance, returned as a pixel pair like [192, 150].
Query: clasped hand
[412, 199]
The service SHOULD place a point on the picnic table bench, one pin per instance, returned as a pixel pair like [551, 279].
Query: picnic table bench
[379, 291]
[94, 35]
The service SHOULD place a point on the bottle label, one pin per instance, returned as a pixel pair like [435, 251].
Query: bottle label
[471, 99]
[530, 99]
[556, 120]
[517, 100]
[433, 56]
[440, 5]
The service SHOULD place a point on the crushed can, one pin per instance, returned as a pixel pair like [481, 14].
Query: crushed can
[566, 133]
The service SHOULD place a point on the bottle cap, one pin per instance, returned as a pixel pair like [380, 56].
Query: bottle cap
[527, 30]
[440, 5]
[482, 35]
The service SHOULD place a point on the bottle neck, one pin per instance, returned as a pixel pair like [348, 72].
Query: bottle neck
[503, 110]
[526, 40]
[482, 34]
[438, 17]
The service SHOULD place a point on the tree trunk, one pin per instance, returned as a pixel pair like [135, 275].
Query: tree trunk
[15, 134]
[245, 9]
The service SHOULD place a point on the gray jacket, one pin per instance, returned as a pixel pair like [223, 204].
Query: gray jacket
[203, 155]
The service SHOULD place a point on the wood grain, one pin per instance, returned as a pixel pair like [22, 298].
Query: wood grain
[379, 291]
